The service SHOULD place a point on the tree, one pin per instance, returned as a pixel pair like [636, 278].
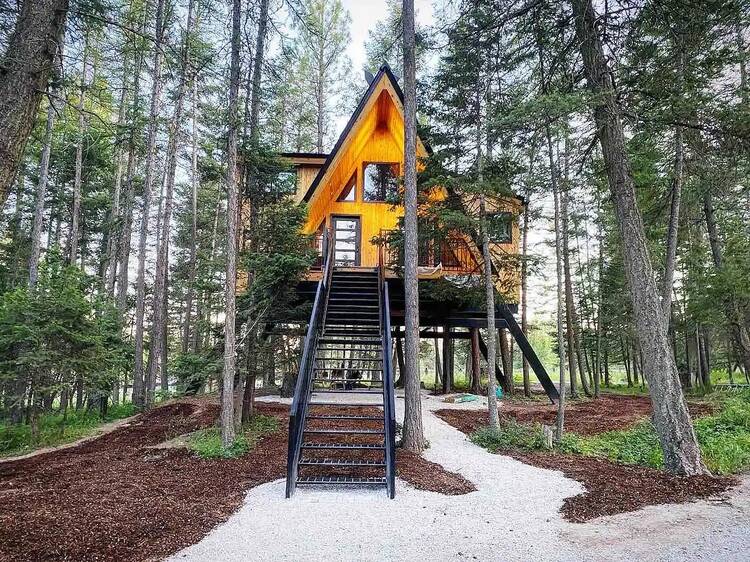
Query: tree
[230, 286]
[26, 67]
[323, 28]
[671, 417]
[413, 432]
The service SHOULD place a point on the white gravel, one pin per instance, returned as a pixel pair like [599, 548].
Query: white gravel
[514, 515]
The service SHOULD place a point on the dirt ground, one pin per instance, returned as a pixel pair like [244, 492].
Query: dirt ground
[116, 498]
[611, 488]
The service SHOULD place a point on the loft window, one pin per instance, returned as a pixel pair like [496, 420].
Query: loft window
[381, 181]
[500, 227]
[350, 189]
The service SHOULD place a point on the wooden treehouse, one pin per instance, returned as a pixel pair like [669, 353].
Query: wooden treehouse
[342, 420]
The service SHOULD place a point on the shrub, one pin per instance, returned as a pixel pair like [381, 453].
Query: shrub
[207, 442]
[509, 436]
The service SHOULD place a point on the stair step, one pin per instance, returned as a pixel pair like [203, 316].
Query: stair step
[334, 480]
[345, 391]
[348, 404]
[345, 431]
[348, 306]
[340, 462]
[342, 417]
[358, 359]
[361, 293]
[349, 381]
[343, 446]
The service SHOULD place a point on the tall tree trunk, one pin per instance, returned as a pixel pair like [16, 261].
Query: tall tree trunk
[41, 190]
[560, 422]
[671, 417]
[230, 287]
[161, 290]
[524, 294]
[413, 431]
[75, 217]
[26, 68]
[141, 398]
[194, 180]
[569, 299]
[476, 361]
[676, 196]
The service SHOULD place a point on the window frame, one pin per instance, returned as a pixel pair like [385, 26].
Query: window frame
[494, 215]
[364, 179]
[353, 182]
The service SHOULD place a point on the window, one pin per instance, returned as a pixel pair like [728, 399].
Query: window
[350, 189]
[500, 227]
[381, 181]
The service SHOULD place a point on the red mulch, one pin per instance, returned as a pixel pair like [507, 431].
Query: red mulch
[588, 417]
[611, 488]
[114, 499]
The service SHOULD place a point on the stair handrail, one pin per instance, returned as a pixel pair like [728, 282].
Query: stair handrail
[303, 386]
[389, 406]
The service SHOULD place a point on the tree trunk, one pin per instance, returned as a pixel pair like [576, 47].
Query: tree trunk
[75, 217]
[192, 265]
[413, 432]
[674, 211]
[524, 293]
[26, 68]
[230, 287]
[476, 361]
[671, 417]
[158, 348]
[41, 193]
[438, 373]
[141, 398]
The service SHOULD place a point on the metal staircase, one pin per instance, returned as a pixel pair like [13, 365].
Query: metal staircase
[342, 422]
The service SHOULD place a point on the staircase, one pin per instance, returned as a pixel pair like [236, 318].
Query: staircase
[342, 425]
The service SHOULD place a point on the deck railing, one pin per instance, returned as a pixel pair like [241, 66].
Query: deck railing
[304, 378]
[389, 405]
[451, 254]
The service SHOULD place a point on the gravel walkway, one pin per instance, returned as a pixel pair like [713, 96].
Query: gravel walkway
[513, 516]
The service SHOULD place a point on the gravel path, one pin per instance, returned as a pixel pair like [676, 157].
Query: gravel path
[513, 516]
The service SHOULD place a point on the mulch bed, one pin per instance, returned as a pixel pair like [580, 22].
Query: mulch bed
[113, 498]
[610, 412]
[611, 488]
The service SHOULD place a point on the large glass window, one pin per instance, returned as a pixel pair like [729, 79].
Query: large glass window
[500, 227]
[381, 181]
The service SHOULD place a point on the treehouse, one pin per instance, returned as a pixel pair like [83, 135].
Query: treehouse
[358, 295]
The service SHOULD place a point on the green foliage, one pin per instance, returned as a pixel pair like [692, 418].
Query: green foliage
[724, 440]
[55, 333]
[510, 436]
[207, 442]
[192, 370]
[56, 429]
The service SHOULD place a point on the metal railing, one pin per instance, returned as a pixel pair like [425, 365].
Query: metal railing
[304, 378]
[389, 406]
[451, 254]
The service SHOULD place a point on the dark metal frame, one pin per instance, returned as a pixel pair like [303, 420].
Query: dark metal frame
[303, 387]
[389, 406]
[358, 250]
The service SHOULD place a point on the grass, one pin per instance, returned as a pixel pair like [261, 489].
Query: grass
[207, 442]
[724, 439]
[510, 436]
[18, 439]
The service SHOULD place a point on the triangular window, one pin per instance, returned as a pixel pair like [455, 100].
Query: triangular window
[350, 190]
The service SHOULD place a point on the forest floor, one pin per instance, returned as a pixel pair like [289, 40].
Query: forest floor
[126, 496]
[118, 497]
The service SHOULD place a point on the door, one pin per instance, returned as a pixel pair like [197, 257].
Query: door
[346, 241]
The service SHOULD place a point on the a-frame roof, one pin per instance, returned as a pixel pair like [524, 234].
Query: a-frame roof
[384, 79]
